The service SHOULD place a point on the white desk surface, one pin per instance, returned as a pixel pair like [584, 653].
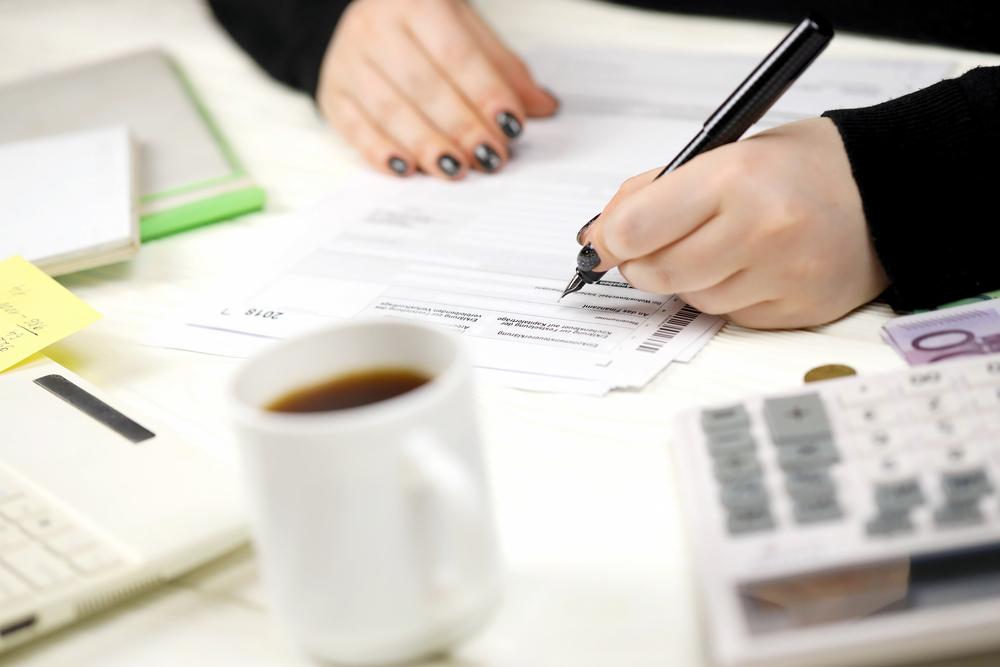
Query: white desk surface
[597, 572]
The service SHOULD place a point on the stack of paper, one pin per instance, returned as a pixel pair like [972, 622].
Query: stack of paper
[489, 257]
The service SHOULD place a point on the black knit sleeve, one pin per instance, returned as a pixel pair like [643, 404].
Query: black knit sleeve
[288, 38]
[927, 168]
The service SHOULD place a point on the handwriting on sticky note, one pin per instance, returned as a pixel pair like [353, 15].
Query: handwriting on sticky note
[35, 311]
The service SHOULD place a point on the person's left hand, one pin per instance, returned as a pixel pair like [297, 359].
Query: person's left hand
[768, 231]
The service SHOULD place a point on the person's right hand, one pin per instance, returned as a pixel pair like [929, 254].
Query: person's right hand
[426, 84]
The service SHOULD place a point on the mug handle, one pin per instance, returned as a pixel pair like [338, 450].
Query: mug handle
[452, 510]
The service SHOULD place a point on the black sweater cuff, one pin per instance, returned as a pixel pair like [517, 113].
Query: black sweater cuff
[925, 165]
[288, 39]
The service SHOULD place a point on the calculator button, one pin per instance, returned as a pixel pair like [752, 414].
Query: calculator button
[936, 405]
[924, 381]
[864, 393]
[894, 497]
[20, 509]
[70, 542]
[43, 526]
[966, 487]
[793, 418]
[880, 441]
[733, 467]
[93, 561]
[744, 493]
[987, 373]
[805, 485]
[814, 454]
[12, 586]
[955, 514]
[987, 398]
[889, 523]
[817, 510]
[38, 567]
[11, 537]
[872, 416]
[733, 417]
[730, 442]
[749, 520]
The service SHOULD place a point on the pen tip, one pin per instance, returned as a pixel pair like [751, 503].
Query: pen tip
[575, 285]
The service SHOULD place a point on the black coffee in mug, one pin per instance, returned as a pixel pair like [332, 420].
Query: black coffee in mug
[350, 390]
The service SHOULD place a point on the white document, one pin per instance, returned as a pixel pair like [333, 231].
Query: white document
[490, 256]
[69, 201]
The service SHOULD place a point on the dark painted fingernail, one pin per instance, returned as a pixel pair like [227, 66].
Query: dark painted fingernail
[449, 164]
[554, 97]
[398, 165]
[583, 230]
[588, 258]
[509, 124]
[487, 158]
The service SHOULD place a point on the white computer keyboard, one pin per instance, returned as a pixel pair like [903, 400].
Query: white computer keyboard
[43, 550]
[831, 476]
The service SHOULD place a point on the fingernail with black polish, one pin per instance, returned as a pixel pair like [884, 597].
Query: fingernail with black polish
[509, 124]
[487, 158]
[449, 164]
[583, 230]
[588, 258]
[398, 165]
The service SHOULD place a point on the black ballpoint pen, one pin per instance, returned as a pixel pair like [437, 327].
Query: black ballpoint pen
[744, 107]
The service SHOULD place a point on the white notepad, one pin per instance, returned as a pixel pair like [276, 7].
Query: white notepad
[68, 202]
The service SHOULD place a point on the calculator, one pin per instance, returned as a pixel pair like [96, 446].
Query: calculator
[852, 521]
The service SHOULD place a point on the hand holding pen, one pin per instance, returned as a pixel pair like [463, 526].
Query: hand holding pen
[769, 231]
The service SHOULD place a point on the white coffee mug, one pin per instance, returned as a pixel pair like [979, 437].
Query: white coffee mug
[373, 524]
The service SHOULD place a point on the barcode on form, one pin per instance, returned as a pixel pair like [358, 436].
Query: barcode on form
[669, 329]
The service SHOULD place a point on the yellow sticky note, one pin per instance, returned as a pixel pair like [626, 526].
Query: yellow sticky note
[35, 311]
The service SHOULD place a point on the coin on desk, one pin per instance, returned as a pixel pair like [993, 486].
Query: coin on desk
[829, 372]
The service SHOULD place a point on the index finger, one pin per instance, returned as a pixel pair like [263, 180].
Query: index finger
[654, 216]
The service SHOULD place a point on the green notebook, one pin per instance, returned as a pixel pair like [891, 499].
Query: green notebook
[188, 175]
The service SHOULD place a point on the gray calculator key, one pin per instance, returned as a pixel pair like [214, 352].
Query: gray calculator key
[733, 467]
[750, 520]
[889, 523]
[730, 418]
[744, 493]
[898, 496]
[958, 514]
[806, 455]
[967, 486]
[730, 442]
[818, 510]
[804, 485]
[796, 418]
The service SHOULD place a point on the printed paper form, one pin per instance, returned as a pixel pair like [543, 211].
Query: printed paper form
[489, 257]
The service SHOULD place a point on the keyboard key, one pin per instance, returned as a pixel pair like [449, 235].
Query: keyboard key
[36, 565]
[958, 514]
[815, 454]
[817, 510]
[93, 561]
[900, 496]
[734, 467]
[806, 485]
[794, 418]
[936, 405]
[926, 380]
[730, 442]
[889, 523]
[987, 373]
[966, 487]
[750, 520]
[731, 418]
[744, 493]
